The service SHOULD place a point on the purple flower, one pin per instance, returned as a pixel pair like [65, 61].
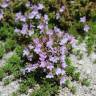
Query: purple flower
[57, 30]
[18, 16]
[86, 28]
[24, 29]
[1, 16]
[30, 68]
[63, 41]
[30, 32]
[49, 43]
[62, 58]
[7, 0]
[53, 59]
[4, 4]
[50, 75]
[54, 50]
[50, 67]
[63, 72]
[63, 50]
[23, 18]
[34, 7]
[32, 14]
[31, 26]
[63, 65]
[43, 64]
[60, 34]
[30, 46]
[39, 45]
[37, 50]
[42, 56]
[38, 16]
[83, 19]
[30, 57]
[58, 71]
[44, 39]
[72, 40]
[62, 80]
[49, 32]
[66, 35]
[41, 27]
[17, 30]
[57, 16]
[40, 6]
[36, 41]
[27, 4]
[62, 9]
[26, 52]
[46, 17]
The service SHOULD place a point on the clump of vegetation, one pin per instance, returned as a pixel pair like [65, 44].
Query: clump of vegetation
[10, 44]
[43, 34]
[14, 94]
[19, 50]
[86, 82]
[6, 31]
[2, 74]
[46, 89]
[23, 88]
[2, 50]
[6, 81]
[91, 38]
[12, 66]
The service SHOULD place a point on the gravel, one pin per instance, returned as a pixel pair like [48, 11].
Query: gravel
[9, 89]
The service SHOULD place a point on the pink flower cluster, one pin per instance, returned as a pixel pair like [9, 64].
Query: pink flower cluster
[51, 49]
[28, 29]
[5, 4]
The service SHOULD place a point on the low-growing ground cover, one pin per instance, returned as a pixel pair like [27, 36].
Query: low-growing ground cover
[42, 34]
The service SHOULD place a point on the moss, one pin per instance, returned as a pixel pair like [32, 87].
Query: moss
[19, 50]
[76, 76]
[6, 31]
[68, 83]
[30, 81]
[94, 62]
[12, 65]
[7, 81]
[46, 90]
[7, 68]
[14, 59]
[23, 88]
[14, 94]
[10, 44]
[2, 74]
[73, 89]
[70, 70]
[2, 50]
[86, 82]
